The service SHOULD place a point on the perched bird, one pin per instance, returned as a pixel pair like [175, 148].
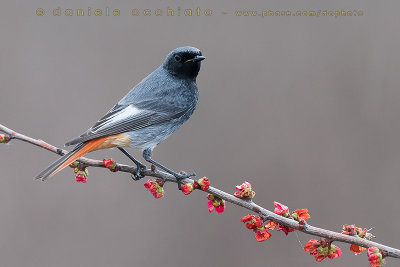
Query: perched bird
[152, 111]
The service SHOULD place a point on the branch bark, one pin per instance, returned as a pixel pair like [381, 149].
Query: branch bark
[250, 205]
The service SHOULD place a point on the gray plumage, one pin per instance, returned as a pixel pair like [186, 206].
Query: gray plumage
[149, 113]
[158, 105]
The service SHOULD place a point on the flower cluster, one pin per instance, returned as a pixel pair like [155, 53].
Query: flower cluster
[273, 225]
[155, 186]
[254, 223]
[355, 231]
[187, 188]
[111, 165]
[375, 257]
[299, 215]
[215, 203]
[202, 183]
[80, 171]
[322, 249]
[4, 138]
[244, 191]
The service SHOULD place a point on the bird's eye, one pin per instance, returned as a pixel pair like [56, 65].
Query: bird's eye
[178, 58]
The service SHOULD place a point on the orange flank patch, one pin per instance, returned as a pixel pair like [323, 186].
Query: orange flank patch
[96, 144]
[113, 141]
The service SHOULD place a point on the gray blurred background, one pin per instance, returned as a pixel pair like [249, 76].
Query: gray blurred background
[305, 108]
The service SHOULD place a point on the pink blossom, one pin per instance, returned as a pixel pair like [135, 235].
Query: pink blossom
[281, 209]
[244, 191]
[215, 203]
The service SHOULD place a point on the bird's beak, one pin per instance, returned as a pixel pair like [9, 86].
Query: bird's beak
[195, 59]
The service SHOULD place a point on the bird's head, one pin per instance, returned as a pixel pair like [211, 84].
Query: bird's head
[184, 62]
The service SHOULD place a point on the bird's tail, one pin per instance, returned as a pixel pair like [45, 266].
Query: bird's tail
[79, 151]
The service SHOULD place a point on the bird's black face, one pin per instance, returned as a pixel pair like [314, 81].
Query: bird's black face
[184, 62]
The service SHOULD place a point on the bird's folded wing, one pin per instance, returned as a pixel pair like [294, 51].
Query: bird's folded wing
[126, 118]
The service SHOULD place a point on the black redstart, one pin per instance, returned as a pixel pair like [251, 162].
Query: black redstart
[147, 115]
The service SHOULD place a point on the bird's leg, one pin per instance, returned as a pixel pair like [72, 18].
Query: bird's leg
[178, 176]
[139, 166]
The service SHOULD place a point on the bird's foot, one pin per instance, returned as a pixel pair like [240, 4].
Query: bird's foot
[183, 175]
[140, 168]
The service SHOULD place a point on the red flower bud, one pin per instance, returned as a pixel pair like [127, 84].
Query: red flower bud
[355, 231]
[81, 174]
[4, 138]
[375, 257]
[254, 223]
[244, 191]
[322, 249]
[110, 164]
[155, 186]
[148, 184]
[187, 188]
[204, 183]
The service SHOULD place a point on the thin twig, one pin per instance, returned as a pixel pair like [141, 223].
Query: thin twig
[250, 205]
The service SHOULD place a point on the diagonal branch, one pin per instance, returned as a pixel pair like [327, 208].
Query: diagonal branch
[248, 204]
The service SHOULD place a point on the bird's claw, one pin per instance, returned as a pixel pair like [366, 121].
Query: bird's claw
[181, 176]
[139, 173]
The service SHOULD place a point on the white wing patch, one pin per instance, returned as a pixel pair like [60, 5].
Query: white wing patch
[121, 115]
